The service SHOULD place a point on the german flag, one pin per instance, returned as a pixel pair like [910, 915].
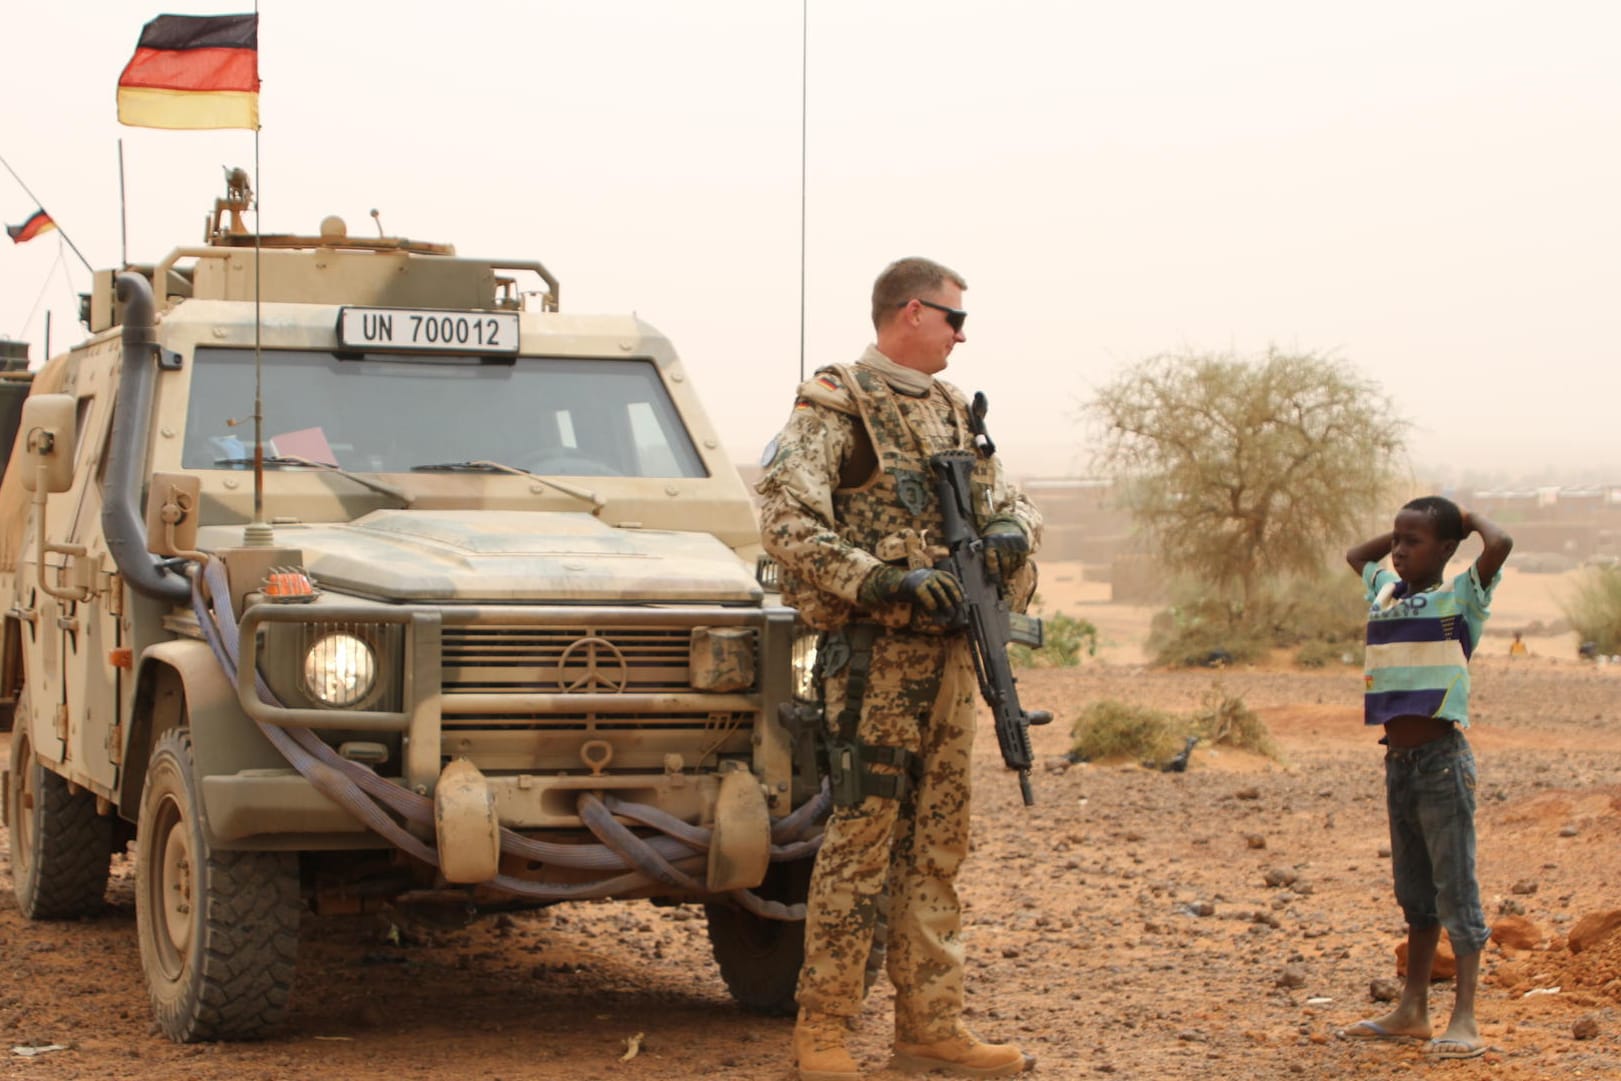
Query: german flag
[193, 71]
[38, 222]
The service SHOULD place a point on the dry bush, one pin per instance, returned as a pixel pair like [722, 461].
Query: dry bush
[1322, 615]
[1327, 607]
[1594, 608]
[1110, 728]
[1200, 632]
[1316, 653]
[1114, 729]
[1064, 638]
[1225, 721]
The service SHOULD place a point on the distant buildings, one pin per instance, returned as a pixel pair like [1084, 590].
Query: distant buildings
[1563, 525]
[1555, 528]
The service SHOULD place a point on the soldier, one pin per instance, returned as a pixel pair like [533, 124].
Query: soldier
[848, 511]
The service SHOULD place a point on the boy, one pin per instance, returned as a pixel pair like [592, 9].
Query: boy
[1421, 633]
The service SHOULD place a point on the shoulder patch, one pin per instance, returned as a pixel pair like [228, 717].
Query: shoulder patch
[828, 390]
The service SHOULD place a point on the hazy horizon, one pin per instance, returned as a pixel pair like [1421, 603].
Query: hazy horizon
[1426, 193]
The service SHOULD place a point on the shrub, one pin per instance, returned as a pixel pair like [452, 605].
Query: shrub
[1327, 607]
[1112, 729]
[1206, 628]
[1200, 633]
[1063, 639]
[1225, 721]
[1316, 653]
[1109, 728]
[1594, 608]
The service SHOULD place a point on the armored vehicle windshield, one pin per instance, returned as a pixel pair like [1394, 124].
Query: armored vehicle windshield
[385, 413]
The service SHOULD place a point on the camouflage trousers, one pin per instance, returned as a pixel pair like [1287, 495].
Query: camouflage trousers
[920, 696]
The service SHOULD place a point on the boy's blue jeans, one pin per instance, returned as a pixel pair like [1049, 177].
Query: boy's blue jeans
[1430, 795]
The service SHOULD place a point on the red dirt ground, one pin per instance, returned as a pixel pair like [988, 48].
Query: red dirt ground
[1122, 927]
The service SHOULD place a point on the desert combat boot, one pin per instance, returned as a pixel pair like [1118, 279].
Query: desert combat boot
[819, 1049]
[962, 1054]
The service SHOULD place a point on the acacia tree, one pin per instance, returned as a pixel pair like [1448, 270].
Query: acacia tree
[1246, 470]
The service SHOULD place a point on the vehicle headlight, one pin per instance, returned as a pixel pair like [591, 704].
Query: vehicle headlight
[806, 642]
[339, 669]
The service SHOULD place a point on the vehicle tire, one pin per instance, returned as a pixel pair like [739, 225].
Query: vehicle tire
[760, 958]
[218, 930]
[60, 847]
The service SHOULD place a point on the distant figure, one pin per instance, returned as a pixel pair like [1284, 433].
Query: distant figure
[1421, 632]
[1518, 648]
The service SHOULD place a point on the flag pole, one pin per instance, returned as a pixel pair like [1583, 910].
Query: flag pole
[123, 212]
[41, 205]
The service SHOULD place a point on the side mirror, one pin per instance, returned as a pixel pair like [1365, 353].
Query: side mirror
[50, 425]
[171, 514]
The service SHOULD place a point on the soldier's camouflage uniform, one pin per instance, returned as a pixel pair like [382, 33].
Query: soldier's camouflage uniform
[846, 489]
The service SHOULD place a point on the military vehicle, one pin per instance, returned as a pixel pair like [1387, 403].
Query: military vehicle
[340, 572]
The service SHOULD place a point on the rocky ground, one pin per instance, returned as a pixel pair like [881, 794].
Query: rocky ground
[1218, 923]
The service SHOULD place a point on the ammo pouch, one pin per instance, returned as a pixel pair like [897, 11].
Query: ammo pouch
[852, 778]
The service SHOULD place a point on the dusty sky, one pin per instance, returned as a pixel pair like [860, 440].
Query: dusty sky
[1429, 192]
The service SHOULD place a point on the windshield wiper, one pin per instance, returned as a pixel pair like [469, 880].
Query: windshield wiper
[309, 463]
[481, 465]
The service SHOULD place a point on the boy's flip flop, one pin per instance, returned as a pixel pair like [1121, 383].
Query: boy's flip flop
[1441, 1047]
[1372, 1030]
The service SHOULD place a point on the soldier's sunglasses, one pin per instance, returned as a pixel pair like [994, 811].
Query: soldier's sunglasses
[954, 316]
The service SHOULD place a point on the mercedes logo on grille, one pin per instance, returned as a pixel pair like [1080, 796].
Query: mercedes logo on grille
[604, 667]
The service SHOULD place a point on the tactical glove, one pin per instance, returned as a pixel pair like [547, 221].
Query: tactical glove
[1006, 547]
[936, 592]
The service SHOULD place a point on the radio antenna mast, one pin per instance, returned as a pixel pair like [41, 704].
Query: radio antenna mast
[804, 86]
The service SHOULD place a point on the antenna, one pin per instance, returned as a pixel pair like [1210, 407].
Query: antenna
[258, 534]
[804, 84]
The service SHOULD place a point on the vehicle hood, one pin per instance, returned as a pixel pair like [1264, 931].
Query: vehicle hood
[473, 556]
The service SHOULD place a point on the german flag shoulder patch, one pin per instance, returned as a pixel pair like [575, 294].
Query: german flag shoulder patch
[826, 390]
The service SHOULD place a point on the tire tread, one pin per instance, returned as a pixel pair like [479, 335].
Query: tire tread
[72, 855]
[240, 981]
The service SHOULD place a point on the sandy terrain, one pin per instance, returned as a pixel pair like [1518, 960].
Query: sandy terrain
[1123, 927]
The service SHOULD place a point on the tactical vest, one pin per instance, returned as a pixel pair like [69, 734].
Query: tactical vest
[894, 514]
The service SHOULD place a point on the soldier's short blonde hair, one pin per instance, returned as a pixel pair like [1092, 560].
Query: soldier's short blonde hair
[904, 279]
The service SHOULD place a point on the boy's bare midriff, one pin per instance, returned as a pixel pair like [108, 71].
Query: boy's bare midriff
[1415, 731]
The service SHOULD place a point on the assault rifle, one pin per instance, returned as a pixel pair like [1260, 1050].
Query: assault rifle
[991, 624]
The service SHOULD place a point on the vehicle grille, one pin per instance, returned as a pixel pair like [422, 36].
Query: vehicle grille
[619, 660]
[606, 663]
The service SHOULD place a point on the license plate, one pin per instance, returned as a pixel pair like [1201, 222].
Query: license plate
[426, 330]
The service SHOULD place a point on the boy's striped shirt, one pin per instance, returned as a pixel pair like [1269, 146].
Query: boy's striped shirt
[1419, 645]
